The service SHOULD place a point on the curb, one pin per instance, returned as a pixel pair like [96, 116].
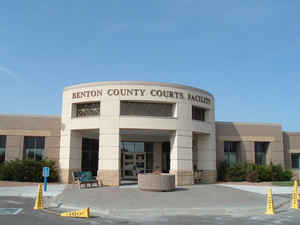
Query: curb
[159, 212]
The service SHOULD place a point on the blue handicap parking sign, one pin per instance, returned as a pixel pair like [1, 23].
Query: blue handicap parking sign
[46, 171]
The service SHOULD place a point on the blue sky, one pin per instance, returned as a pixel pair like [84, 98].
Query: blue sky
[244, 52]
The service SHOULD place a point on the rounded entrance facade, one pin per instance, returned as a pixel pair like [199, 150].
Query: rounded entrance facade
[120, 129]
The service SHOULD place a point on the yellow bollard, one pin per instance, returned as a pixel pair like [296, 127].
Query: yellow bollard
[39, 199]
[295, 196]
[84, 213]
[270, 205]
[296, 189]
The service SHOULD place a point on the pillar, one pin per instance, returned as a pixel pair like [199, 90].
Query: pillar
[109, 143]
[70, 154]
[181, 157]
[207, 158]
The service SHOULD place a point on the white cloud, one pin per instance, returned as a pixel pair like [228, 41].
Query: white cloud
[6, 71]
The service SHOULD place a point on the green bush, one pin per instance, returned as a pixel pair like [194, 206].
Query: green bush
[253, 173]
[264, 173]
[237, 172]
[27, 170]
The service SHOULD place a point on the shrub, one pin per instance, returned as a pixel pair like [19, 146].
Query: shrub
[264, 173]
[285, 175]
[236, 173]
[253, 173]
[27, 170]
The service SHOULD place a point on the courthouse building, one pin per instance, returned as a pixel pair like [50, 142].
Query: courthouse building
[120, 129]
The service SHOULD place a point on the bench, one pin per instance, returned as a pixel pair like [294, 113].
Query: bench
[85, 178]
[197, 176]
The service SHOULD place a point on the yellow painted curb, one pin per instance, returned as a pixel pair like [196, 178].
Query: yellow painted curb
[84, 213]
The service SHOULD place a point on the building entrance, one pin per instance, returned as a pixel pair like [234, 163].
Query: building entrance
[136, 157]
[90, 152]
[133, 164]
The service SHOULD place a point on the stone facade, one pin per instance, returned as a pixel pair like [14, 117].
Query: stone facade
[16, 127]
[246, 135]
[179, 127]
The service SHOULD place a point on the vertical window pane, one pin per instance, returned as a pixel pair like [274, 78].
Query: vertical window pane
[230, 153]
[2, 148]
[34, 148]
[139, 147]
[128, 146]
[295, 161]
[198, 113]
[261, 152]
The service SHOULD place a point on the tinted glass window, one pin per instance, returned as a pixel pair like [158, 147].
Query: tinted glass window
[230, 152]
[261, 152]
[34, 148]
[295, 161]
[146, 109]
[2, 148]
[198, 113]
[86, 109]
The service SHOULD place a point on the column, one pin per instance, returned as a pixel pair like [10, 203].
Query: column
[70, 154]
[207, 158]
[109, 143]
[181, 157]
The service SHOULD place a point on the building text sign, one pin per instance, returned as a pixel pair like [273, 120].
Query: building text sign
[141, 92]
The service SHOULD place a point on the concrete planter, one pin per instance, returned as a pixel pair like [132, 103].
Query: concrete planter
[156, 182]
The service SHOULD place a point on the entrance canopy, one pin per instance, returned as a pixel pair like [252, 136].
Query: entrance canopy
[145, 135]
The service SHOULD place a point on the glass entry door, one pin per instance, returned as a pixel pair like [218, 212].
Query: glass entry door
[133, 164]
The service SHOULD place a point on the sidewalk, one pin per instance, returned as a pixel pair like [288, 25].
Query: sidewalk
[190, 200]
[260, 189]
[30, 190]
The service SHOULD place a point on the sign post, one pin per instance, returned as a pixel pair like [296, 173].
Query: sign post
[46, 173]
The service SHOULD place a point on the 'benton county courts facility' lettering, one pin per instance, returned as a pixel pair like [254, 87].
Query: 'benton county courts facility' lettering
[141, 92]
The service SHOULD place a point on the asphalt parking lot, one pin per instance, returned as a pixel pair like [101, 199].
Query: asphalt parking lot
[28, 216]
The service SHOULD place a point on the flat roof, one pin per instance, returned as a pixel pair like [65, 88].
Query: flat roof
[250, 123]
[32, 116]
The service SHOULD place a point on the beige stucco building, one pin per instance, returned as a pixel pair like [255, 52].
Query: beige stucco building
[120, 129]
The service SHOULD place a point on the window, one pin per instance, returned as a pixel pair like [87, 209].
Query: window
[2, 148]
[295, 161]
[198, 113]
[34, 148]
[86, 109]
[230, 152]
[261, 152]
[146, 109]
